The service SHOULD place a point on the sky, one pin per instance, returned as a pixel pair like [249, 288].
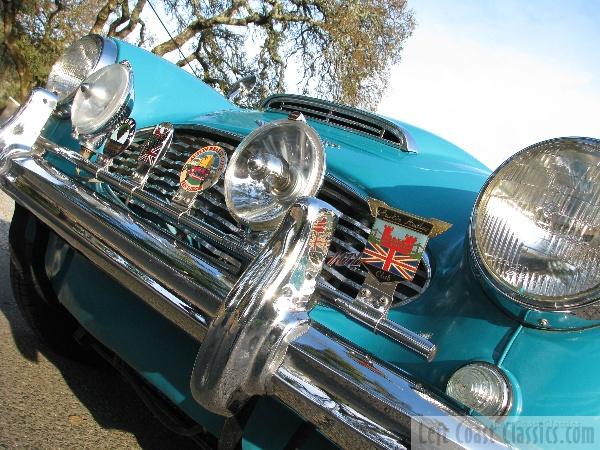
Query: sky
[494, 77]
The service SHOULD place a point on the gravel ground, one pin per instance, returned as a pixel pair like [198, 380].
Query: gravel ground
[49, 402]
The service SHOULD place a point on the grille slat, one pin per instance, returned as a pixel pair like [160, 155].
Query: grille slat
[350, 235]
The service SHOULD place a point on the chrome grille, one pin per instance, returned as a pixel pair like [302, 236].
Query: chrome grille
[163, 181]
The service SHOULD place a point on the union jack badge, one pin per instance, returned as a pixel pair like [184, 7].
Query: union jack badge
[156, 144]
[153, 149]
[396, 243]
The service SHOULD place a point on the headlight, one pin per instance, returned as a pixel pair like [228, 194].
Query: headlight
[535, 229]
[103, 99]
[82, 58]
[482, 387]
[271, 168]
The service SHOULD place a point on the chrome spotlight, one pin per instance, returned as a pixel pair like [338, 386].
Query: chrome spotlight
[102, 101]
[271, 168]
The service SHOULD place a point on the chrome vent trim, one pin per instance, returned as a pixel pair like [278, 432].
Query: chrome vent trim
[346, 117]
[350, 235]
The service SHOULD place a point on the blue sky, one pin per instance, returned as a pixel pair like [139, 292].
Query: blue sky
[497, 76]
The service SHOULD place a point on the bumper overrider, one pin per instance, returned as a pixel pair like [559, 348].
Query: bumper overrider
[255, 333]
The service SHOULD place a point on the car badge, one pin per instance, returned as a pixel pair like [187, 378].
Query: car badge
[393, 251]
[200, 172]
[320, 237]
[203, 169]
[152, 149]
[121, 138]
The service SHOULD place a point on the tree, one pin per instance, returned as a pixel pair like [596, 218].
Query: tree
[33, 33]
[343, 49]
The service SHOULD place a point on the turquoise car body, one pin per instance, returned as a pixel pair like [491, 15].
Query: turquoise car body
[455, 312]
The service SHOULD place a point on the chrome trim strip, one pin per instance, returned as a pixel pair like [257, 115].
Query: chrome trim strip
[359, 402]
[190, 290]
[335, 113]
[108, 54]
[371, 317]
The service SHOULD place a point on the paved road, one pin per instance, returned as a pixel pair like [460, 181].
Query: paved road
[49, 402]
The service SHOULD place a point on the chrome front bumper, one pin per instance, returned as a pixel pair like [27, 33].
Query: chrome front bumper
[351, 397]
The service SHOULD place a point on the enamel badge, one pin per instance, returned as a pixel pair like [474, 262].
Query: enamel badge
[120, 139]
[152, 149]
[397, 242]
[320, 237]
[203, 169]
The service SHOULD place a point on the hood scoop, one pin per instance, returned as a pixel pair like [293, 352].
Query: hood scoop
[346, 117]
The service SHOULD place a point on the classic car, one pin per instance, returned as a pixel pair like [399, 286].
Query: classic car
[305, 274]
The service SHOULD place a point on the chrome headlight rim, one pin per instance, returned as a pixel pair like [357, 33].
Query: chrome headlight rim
[568, 304]
[108, 55]
[319, 173]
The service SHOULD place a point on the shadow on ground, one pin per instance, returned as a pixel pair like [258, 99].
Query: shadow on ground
[29, 386]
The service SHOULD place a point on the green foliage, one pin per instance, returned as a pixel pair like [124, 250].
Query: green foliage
[34, 34]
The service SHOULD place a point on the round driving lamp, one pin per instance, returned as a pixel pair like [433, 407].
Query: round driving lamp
[482, 387]
[535, 228]
[102, 100]
[271, 168]
[82, 58]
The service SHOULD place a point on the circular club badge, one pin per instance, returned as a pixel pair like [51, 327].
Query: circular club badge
[120, 139]
[203, 169]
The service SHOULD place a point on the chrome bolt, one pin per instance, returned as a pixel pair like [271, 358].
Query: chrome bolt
[364, 292]
[544, 323]
[380, 302]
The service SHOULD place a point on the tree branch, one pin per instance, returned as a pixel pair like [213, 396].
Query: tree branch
[227, 18]
[134, 19]
[50, 19]
[9, 20]
[102, 17]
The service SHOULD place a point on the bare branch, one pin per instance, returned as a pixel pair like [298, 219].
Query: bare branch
[134, 19]
[103, 15]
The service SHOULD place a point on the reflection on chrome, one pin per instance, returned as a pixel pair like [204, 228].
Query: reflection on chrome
[266, 309]
[19, 132]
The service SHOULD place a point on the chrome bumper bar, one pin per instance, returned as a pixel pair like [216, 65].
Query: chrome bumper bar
[354, 399]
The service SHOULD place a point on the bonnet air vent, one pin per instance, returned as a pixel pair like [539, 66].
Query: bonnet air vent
[341, 116]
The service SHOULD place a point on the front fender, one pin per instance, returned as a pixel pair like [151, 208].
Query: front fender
[165, 92]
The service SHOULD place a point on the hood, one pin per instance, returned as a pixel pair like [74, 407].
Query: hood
[419, 182]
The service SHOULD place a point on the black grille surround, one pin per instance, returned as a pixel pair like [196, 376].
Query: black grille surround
[209, 207]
